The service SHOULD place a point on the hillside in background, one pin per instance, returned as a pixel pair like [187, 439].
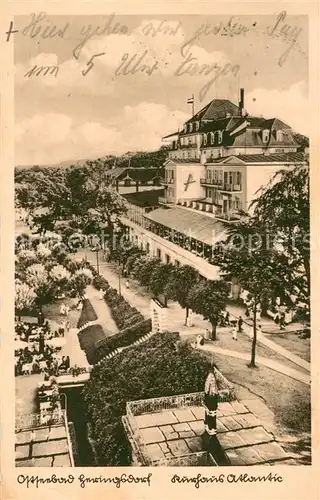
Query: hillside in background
[133, 159]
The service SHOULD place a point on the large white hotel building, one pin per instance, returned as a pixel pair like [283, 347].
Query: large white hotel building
[215, 167]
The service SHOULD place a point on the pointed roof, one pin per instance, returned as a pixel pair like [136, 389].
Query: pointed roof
[217, 108]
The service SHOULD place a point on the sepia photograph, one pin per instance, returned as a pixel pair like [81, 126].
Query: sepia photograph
[162, 240]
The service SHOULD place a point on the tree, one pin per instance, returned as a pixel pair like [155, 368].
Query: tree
[159, 279]
[209, 298]
[180, 282]
[282, 210]
[80, 280]
[162, 366]
[24, 297]
[246, 257]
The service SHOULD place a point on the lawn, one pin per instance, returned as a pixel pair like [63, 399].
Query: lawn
[88, 339]
[243, 344]
[292, 342]
[287, 398]
[52, 312]
[87, 313]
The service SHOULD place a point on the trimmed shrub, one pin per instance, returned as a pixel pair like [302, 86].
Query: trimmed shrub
[162, 366]
[88, 338]
[122, 339]
[87, 313]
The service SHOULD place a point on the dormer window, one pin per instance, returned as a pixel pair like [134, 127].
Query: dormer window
[190, 127]
[279, 135]
[212, 137]
[219, 137]
[204, 140]
[197, 126]
[265, 135]
[185, 128]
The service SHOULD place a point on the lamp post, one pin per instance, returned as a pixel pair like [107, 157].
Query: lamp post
[65, 403]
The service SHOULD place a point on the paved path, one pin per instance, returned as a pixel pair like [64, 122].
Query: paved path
[237, 311]
[138, 298]
[102, 311]
[73, 350]
[269, 363]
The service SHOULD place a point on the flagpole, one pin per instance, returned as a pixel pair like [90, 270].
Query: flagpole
[192, 104]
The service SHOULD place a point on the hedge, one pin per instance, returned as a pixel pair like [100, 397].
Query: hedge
[121, 339]
[88, 338]
[87, 313]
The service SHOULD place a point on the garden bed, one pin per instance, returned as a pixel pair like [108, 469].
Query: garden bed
[88, 338]
[87, 314]
[293, 342]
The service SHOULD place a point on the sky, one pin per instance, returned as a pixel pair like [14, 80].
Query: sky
[112, 109]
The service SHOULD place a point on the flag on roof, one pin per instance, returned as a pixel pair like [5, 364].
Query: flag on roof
[190, 100]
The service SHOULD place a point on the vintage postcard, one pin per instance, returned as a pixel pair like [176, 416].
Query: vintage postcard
[159, 266]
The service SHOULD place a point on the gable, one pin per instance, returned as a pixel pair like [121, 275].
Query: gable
[232, 160]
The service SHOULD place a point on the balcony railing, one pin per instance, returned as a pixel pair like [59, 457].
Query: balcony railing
[230, 188]
[188, 146]
[34, 420]
[167, 181]
[201, 205]
[164, 200]
[210, 182]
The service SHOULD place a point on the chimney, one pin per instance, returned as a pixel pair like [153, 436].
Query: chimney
[241, 102]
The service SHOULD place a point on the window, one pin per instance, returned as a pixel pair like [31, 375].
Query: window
[209, 193]
[212, 137]
[204, 141]
[177, 263]
[148, 247]
[167, 258]
[279, 150]
[197, 126]
[190, 127]
[238, 179]
[279, 135]
[185, 128]
[265, 135]
[158, 253]
[219, 137]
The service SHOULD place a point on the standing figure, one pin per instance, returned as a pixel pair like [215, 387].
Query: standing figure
[240, 323]
[234, 333]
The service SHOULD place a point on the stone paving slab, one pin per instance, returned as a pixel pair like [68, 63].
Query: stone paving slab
[195, 444]
[243, 456]
[230, 423]
[22, 451]
[184, 415]
[152, 435]
[247, 420]
[43, 462]
[41, 434]
[25, 463]
[258, 408]
[226, 409]
[238, 407]
[61, 461]
[198, 412]
[58, 432]
[231, 440]
[155, 419]
[197, 426]
[220, 426]
[50, 448]
[181, 427]
[255, 435]
[186, 434]
[271, 451]
[179, 447]
[169, 432]
[155, 452]
[23, 437]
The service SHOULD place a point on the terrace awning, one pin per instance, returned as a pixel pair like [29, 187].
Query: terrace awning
[200, 227]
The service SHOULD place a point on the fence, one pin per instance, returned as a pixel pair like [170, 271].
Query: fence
[35, 420]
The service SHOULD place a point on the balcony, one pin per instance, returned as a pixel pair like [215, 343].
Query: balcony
[230, 188]
[201, 205]
[165, 201]
[210, 182]
[192, 145]
[167, 181]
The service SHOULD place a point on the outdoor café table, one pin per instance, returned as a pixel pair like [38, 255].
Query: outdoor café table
[45, 383]
[43, 365]
[45, 406]
[27, 368]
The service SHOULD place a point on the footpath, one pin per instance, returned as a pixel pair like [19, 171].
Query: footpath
[137, 297]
